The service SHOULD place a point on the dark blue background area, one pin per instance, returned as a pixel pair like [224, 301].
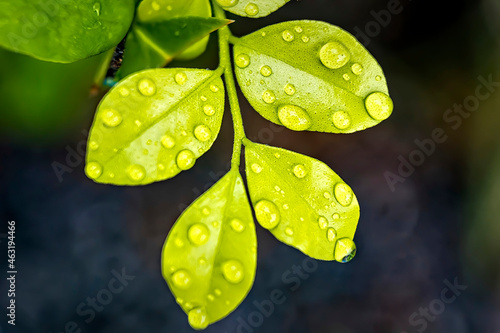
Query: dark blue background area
[73, 236]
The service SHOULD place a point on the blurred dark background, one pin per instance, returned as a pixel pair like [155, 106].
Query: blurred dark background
[438, 227]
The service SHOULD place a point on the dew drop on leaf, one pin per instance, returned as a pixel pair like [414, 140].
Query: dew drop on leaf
[378, 78]
[136, 172]
[256, 167]
[298, 29]
[294, 117]
[185, 159]
[287, 36]
[181, 78]
[341, 119]
[379, 105]
[167, 141]
[111, 118]
[232, 270]
[198, 234]
[267, 214]
[322, 222]
[268, 97]
[290, 89]
[299, 170]
[357, 69]
[334, 55]
[266, 71]
[305, 39]
[237, 225]
[146, 87]
[214, 88]
[209, 110]
[289, 231]
[94, 170]
[335, 216]
[211, 297]
[124, 91]
[331, 234]
[345, 250]
[198, 318]
[346, 77]
[181, 279]
[93, 145]
[227, 3]
[252, 9]
[343, 194]
[202, 133]
[242, 60]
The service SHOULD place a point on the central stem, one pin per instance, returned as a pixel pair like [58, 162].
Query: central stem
[225, 63]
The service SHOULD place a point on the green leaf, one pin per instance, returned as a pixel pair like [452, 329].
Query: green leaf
[154, 44]
[157, 10]
[154, 124]
[251, 8]
[64, 31]
[310, 75]
[209, 257]
[302, 202]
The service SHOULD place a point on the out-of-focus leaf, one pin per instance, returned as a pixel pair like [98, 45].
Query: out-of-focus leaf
[209, 258]
[64, 31]
[158, 10]
[302, 202]
[154, 44]
[154, 124]
[251, 8]
[310, 75]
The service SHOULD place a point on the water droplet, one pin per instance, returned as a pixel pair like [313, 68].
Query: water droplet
[214, 88]
[198, 234]
[277, 188]
[256, 168]
[266, 71]
[206, 211]
[155, 6]
[331, 234]
[227, 3]
[215, 224]
[294, 117]
[298, 29]
[161, 167]
[185, 159]
[179, 242]
[267, 214]
[181, 78]
[335, 216]
[327, 195]
[93, 145]
[138, 123]
[323, 223]
[290, 89]
[305, 39]
[357, 69]
[111, 118]
[346, 77]
[188, 306]
[167, 141]
[209, 110]
[203, 98]
[343, 194]
[277, 155]
[334, 55]
[289, 231]
[299, 170]
[242, 60]
[237, 225]
[97, 8]
[233, 271]
[345, 250]
[197, 317]
[94, 170]
[211, 297]
[379, 105]
[378, 78]
[124, 91]
[287, 36]
[149, 142]
[285, 206]
[202, 261]
[145, 152]
[181, 279]
[146, 87]
[252, 9]
[268, 97]
[341, 120]
[202, 133]
[179, 300]
[263, 33]
[217, 292]
[136, 172]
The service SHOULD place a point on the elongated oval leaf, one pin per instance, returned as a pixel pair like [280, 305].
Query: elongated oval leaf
[64, 31]
[154, 124]
[209, 257]
[310, 75]
[158, 10]
[154, 44]
[302, 202]
[251, 8]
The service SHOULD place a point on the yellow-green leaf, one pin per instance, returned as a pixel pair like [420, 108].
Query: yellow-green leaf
[209, 257]
[251, 8]
[157, 10]
[154, 124]
[311, 75]
[64, 31]
[302, 202]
